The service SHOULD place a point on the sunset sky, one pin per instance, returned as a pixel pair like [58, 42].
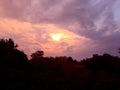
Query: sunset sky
[77, 28]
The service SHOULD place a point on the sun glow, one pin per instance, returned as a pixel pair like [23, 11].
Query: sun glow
[56, 36]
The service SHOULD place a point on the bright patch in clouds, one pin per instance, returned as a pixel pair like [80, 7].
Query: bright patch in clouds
[59, 37]
[56, 36]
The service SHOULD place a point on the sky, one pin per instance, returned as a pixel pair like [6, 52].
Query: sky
[76, 28]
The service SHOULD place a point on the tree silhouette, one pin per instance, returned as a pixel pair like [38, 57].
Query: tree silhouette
[37, 54]
[9, 53]
[69, 59]
[100, 72]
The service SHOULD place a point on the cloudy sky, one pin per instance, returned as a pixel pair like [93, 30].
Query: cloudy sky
[77, 28]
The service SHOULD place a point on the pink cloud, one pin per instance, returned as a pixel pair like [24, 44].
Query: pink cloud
[92, 24]
[32, 37]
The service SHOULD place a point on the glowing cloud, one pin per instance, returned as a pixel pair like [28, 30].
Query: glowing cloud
[56, 37]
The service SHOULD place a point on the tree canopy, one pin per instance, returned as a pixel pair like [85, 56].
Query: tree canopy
[100, 72]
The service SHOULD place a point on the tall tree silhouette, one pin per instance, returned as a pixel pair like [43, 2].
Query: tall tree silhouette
[9, 53]
[6, 46]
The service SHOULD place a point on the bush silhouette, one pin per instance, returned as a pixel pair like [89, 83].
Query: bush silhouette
[37, 54]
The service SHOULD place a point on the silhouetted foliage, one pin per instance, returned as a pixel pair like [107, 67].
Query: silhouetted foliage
[100, 72]
[70, 59]
[37, 54]
[10, 55]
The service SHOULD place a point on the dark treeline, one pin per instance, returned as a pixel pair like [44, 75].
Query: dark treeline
[100, 72]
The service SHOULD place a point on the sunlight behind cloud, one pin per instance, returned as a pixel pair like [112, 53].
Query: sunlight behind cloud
[61, 36]
[56, 36]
